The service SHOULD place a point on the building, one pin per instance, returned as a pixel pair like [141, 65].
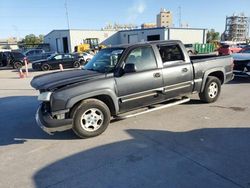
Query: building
[148, 25]
[64, 41]
[9, 44]
[237, 28]
[164, 18]
[186, 35]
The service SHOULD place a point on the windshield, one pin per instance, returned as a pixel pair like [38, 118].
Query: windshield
[105, 60]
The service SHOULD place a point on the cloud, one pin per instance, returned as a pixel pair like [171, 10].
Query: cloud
[137, 8]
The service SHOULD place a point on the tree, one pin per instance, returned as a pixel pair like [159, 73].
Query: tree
[212, 36]
[32, 39]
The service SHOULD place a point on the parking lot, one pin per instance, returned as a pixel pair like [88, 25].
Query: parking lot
[190, 145]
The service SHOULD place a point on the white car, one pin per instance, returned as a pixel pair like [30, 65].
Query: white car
[87, 57]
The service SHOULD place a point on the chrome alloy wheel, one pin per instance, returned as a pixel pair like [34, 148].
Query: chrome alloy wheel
[213, 90]
[92, 119]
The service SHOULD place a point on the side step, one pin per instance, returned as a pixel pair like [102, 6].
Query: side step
[181, 101]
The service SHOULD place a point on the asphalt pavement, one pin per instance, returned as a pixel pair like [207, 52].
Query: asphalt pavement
[185, 146]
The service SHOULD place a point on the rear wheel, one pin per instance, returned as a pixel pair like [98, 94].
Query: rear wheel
[211, 91]
[45, 67]
[17, 65]
[91, 118]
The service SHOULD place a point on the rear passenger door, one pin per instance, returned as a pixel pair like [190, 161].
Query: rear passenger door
[177, 71]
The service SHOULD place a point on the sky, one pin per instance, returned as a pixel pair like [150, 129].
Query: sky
[22, 17]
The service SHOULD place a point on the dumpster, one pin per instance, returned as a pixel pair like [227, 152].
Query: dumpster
[204, 48]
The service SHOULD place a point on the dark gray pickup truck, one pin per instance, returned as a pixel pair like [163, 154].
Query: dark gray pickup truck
[124, 78]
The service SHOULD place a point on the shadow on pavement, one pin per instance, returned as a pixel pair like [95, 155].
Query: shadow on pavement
[239, 80]
[218, 157]
[17, 121]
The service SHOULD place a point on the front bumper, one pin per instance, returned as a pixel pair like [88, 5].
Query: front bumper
[50, 125]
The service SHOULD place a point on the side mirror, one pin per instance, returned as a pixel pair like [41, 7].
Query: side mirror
[129, 68]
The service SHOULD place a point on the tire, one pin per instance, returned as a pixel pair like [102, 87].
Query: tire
[45, 67]
[76, 64]
[17, 65]
[91, 118]
[211, 91]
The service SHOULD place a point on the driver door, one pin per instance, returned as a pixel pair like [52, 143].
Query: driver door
[58, 59]
[143, 86]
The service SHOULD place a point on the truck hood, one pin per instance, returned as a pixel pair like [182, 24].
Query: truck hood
[55, 80]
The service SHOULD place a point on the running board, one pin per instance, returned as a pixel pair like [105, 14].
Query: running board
[156, 108]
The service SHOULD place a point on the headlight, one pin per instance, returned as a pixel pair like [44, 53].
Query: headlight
[45, 96]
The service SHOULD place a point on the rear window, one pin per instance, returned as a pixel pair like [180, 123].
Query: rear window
[17, 55]
[171, 53]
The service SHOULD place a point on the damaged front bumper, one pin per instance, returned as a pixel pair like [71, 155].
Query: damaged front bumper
[50, 125]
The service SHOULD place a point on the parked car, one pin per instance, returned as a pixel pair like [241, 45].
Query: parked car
[67, 60]
[242, 63]
[84, 57]
[3, 60]
[37, 54]
[13, 59]
[122, 79]
[228, 49]
[246, 49]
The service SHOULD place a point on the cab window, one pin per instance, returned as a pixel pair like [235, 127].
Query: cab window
[143, 58]
[171, 53]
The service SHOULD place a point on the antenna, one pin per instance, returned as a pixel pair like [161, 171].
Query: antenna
[66, 12]
[179, 10]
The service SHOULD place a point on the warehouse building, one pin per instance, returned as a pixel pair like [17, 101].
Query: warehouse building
[66, 40]
[186, 35]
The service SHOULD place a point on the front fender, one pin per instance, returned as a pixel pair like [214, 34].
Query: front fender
[72, 101]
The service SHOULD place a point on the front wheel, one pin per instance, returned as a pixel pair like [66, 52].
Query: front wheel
[211, 91]
[91, 118]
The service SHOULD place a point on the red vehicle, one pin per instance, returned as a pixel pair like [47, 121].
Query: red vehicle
[228, 49]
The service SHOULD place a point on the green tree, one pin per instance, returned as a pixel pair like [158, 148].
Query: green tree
[32, 39]
[212, 36]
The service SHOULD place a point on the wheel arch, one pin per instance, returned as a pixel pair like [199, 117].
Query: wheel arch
[106, 97]
[218, 73]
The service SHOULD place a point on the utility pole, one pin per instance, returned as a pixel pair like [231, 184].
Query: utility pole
[67, 14]
[179, 10]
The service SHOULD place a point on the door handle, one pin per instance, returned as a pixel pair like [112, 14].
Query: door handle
[184, 70]
[157, 75]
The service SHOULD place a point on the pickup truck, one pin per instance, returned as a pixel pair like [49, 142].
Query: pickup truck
[124, 78]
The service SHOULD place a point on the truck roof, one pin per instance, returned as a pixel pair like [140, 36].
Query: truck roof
[147, 42]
